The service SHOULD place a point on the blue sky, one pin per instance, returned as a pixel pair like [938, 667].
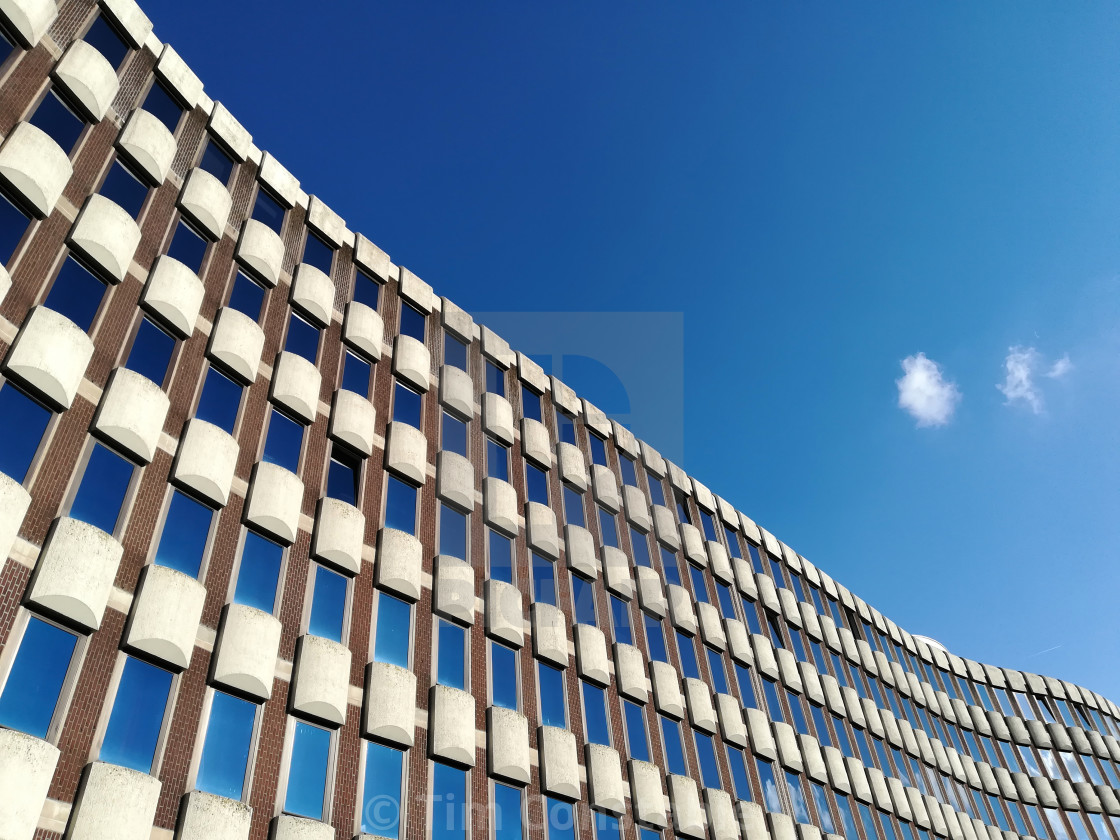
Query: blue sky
[821, 190]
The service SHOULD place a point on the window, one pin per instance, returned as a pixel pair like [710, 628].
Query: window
[686, 647]
[798, 715]
[452, 532]
[608, 527]
[58, 121]
[740, 781]
[151, 352]
[413, 322]
[606, 826]
[454, 434]
[820, 724]
[699, 586]
[772, 800]
[636, 739]
[307, 771]
[595, 714]
[400, 506]
[719, 674]
[124, 189]
[13, 224]
[366, 289]
[629, 474]
[394, 630]
[583, 601]
[550, 682]
[573, 507]
[104, 485]
[495, 379]
[344, 475]
[639, 543]
[598, 449]
[23, 422]
[848, 823]
[497, 459]
[508, 822]
[187, 246]
[356, 374]
[302, 338]
[797, 798]
[500, 549]
[565, 427]
[544, 580]
[674, 749]
[225, 751]
[247, 296]
[258, 575]
[381, 791]
[454, 352]
[620, 619]
[318, 253]
[733, 543]
[104, 38]
[773, 705]
[726, 601]
[186, 529]
[669, 567]
[709, 525]
[137, 717]
[560, 818]
[219, 401]
[531, 404]
[536, 480]
[268, 210]
[746, 686]
[503, 677]
[76, 293]
[709, 772]
[824, 815]
[656, 491]
[407, 404]
[163, 106]
[216, 161]
[283, 442]
[328, 603]
[682, 507]
[451, 668]
[655, 639]
[30, 695]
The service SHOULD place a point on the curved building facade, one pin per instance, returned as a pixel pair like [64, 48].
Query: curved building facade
[296, 549]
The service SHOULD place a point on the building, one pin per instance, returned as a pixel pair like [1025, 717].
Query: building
[295, 549]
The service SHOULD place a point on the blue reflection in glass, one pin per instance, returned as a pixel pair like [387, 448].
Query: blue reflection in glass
[501, 556]
[454, 352]
[35, 681]
[328, 604]
[595, 712]
[449, 803]
[124, 189]
[451, 668]
[608, 527]
[318, 253]
[302, 339]
[225, 753]
[454, 434]
[551, 685]
[400, 506]
[620, 613]
[259, 574]
[163, 106]
[452, 532]
[655, 639]
[104, 484]
[561, 819]
[381, 794]
[57, 121]
[187, 247]
[413, 322]
[102, 36]
[356, 373]
[583, 601]
[13, 224]
[137, 716]
[407, 405]
[283, 442]
[307, 773]
[531, 404]
[394, 630]
[495, 380]
[342, 477]
[573, 507]
[544, 580]
[23, 422]
[183, 541]
[76, 293]
[536, 481]
[219, 401]
[268, 210]
[216, 161]
[636, 730]
[503, 676]
[674, 749]
[507, 813]
[707, 755]
[151, 352]
[366, 289]
[247, 296]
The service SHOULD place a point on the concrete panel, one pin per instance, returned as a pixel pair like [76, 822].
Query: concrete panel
[507, 745]
[399, 563]
[205, 461]
[558, 764]
[321, 679]
[781, 827]
[106, 234]
[165, 615]
[630, 672]
[540, 527]
[688, 817]
[616, 572]
[456, 320]
[744, 578]
[29, 19]
[14, 502]
[49, 356]
[363, 329]
[719, 562]
[665, 527]
[339, 534]
[752, 820]
[261, 250]
[148, 144]
[653, 460]
[275, 500]
[764, 659]
[327, 222]
[371, 257]
[390, 703]
[667, 697]
[692, 543]
[34, 165]
[814, 760]
[711, 626]
[88, 77]
[762, 739]
[497, 417]
[550, 634]
[857, 775]
[406, 452]
[279, 179]
[573, 468]
[505, 618]
[207, 201]
[131, 413]
[1067, 797]
[879, 791]
[637, 508]
[592, 661]
[788, 752]
[237, 341]
[499, 505]
[681, 610]
[837, 769]
[313, 293]
[451, 725]
[535, 443]
[114, 802]
[604, 487]
[453, 590]
[287, 827]
[232, 133]
[455, 480]
[416, 291]
[205, 816]
[174, 293]
[245, 653]
[456, 391]
[411, 361]
[581, 551]
[173, 70]
[651, 594]
[811, 684]
[353, 421]
[646, 795]
[738, 641]
[75, 571]
[731, 723]
[1110, 804]
[26, 767]
[607, 791]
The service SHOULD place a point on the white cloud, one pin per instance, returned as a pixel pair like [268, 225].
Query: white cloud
[1021, 364]
[924, 392]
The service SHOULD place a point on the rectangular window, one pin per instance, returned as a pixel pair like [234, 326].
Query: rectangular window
[452, 662]
[508, 821]
[58, 121]
[344, 474]
[573, 507]
[544, 580]
[709, 772]
[104, 38]
[868, 821]
[454, 352]
[824, 815]
[124, 189]
[225, 750]
[626, 466]
[23, 422]
[682, 507]
[719, 675]
[407, 404]
[550, 683]
[709, 525]
[216, 161]
[531, 404]
[454, 434]
[608, 527]
[536, 482]
[636, 739]
[187, 246]
[746, 686]
[797, 798]
[76, 293]
[13, 225]
[740, 780]
[182, 541]
[503, 677]
[565, 427]
[302, 338]
[620, 620]
[104, 485]
[283, 441]
[686, 647]
[639, 543]
[381, 792]
[595, 714]
[400, 506]
[328, 603]
[655, 639]
[797, 713]
[733, 546]
[30, 695]
[258, 574]
[318, 253]
[656, 491]
[161, 104]
[669, 567]
[500, 549]
[452, 532]
[219, 401]
[151, 352]
[497, 459]
[583, 601]
[495, 379]
[246, 296]
[820, 725]
[699, 585]
[674, 749]
[357, 374]
[268, 210]
[393, 631]
[366, 289]
[773, 705]
[847, 825]
[598, 449]
[560, 819]
[307, 771]
[771, 799]
[726, 600]
[413, 322]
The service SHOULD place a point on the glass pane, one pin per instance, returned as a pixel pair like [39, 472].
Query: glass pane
[318, 253]
[452, 532]
[268, 210]
[219, 401]
[400, 506]
[412, 321]
[699, 585]
[501, 556]
[451, 669]
[160, 104]
[674, 750]
[342, 477]
[104, 38]
[620, 617]
[797, 798]
[283, 442]
[573, 507]
[76, 293]
[606, 826]
[35, 681]
[629, 475]
[183, 541]
[598, 450]
[561, 820]
[187, 247]
[137, 716]
[454, 352]
[531, 404]
[497, 460]
[259, 574]
[151, 351]
[544, 580]
[407, 405]
[394, 630]
[719, 675]
[636, 730]
[551, 686]
[366, 289]
[13, 224]
[770, 797]
[536, 481]
[655, 639]
[356, 373]
[303, 338]
[381, 794]
[739, 778]
[328, 604]
[101, 493]
[687, 650]
[495, 379]
[639, 543]
[449, 803]
[583, 599]
[247, 296]
[503, 676]
[307, 773]
[58, 122]
[124, 189]
[225, 754]
[656, 491]
[595, 712]
[707, 755]
[609, 529]
[454, 435]
[507, 813]
[216, 161]
[23, 422]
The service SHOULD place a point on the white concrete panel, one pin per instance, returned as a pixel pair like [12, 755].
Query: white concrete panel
[681, 610]
[232, 133]
[279, 179]
[75, 572]
[237, 341]
[550, 634]
[205, 461]
[371, 257]
[390, 703]
[416, 291]
[721, 815]
[497, 417]
[321, 679]
[363, 330]
[499, 507]
[630, 672]
[26, 767]
[604, 487]
[34, 165]
[131, 413]
[295, 385]
[572, 466]
[505, 617]
[261, 250]
[581, 551]
[406, 452]
[651, 593]
[107, 235]
[616, 572]
[411, 361]
[275, 501]
[665, 527]
[353, 421]
[14, 502]
[591, 654]
[692, 544]
[456, 320]
[451, 725]
[206, 200]
[507, 745]
[313, 292]
[559, 767]
[88, 77]
[667, 697]
[49, 356]
[688, 817]
[173, 70]
[535, 443]
[456, 391]
[607, 792]
[148, 144]
[287, 827]
[646, 795]
[540, 526]
[701, 713]
[731, 724]
[114, 802]
[711, 625]
[166, 611]
[175, 294]
[399, 563]
[206, 816]
[29, 19]
[453, 593]
[637, 509]
[245, 652]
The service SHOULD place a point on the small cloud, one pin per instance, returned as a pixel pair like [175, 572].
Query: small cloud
[1021, 365]
[925, 393]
